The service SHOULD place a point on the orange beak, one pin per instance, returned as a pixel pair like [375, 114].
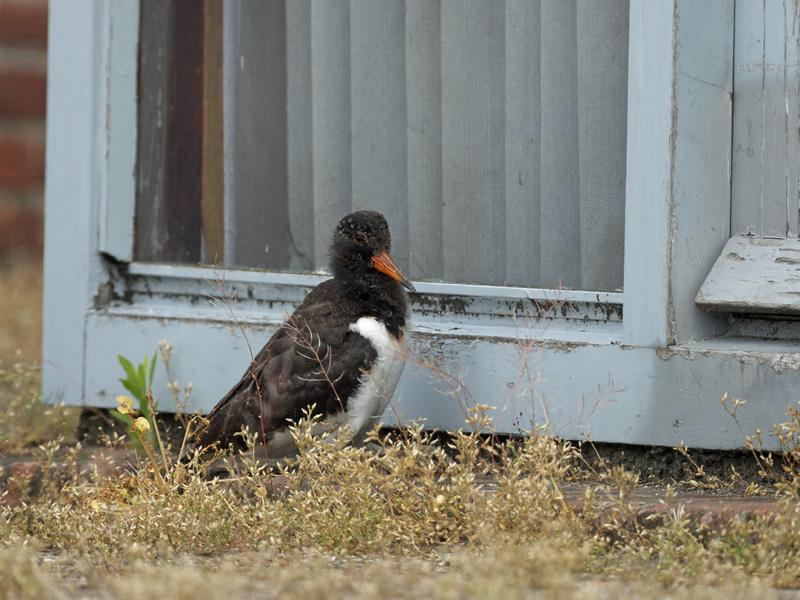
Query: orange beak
[384, 263]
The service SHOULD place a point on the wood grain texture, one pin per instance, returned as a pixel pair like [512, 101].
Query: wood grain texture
[151, 151]
[184, 119]
[766, 118]
[170, 146]
[213, 186]
[754, 275]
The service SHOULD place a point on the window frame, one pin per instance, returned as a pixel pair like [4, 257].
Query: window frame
[118, 214]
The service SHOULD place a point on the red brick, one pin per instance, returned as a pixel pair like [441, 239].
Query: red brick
[22, 93]
[21, 230]
[23, 24]
[21, 162]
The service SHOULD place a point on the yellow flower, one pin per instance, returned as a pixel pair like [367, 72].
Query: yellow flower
[141, 425]
[125, 405]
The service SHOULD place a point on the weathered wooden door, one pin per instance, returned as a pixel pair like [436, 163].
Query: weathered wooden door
[495, 135]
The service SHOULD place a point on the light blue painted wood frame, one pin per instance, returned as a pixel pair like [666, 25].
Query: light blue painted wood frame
[654, 378]
[90, 186]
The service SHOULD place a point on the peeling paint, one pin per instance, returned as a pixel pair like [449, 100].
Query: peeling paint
[441, 304]
[778, 362]
[116, 287]
[517, 309]
[753, 275]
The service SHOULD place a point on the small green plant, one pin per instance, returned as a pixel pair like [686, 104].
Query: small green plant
[142, 422]
[138, 381]
[142, 427]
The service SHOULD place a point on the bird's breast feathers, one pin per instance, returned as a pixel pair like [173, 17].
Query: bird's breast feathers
[377, 385]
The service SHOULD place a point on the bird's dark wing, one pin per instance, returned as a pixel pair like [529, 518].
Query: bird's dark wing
[314, 359]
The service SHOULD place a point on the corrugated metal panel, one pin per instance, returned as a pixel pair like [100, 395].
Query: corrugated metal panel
[491, 134]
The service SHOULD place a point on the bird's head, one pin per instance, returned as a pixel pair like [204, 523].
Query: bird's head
[361, 249]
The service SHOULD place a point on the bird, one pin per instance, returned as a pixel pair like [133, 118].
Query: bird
[339, 356]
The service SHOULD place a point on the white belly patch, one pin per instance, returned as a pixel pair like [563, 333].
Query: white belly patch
[377, 386]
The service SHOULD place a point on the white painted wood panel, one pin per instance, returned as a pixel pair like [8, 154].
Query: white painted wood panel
[754, 275]
[77, 100]
[608, 393]
[700, 223]
[119, 180]
[648, 173]
[766, 161]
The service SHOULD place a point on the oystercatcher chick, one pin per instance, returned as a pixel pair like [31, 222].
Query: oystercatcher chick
[339, 355]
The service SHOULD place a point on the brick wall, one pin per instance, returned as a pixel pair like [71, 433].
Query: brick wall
[23, 63]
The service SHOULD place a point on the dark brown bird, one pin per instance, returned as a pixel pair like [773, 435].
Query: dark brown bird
[340, 352]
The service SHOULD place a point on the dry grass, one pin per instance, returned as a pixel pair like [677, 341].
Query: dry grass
[414, 520]
[24, 421]
[409, 520]
[21, 311]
